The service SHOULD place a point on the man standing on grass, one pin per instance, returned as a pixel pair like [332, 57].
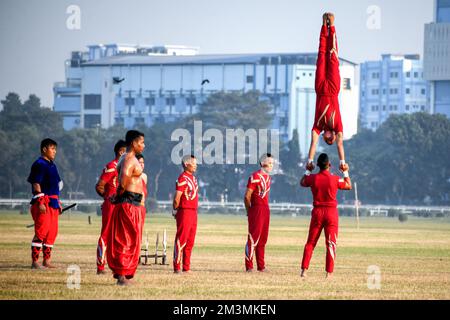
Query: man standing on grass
[185, 202]
[141, 160]
[45, 206]
[124, 229]
[106, 188]
[324, 187]
[256, 202]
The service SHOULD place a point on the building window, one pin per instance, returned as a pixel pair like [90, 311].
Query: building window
[408, 74]
[269, 80]
[393, 91]
[422, 108]
[191, 101]
[170, 101]
[140, 121]
[376, 75]
[393, 74]
[384, 91]
[119, 121]
[129, 101]
[150, 101]
[347, 85]
[407, 107]
[423, 91]
[249, 79]
[92, 101]
[92, 120]
[416, 74]
[408, 90]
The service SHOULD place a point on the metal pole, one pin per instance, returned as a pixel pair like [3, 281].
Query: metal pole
[357, 206]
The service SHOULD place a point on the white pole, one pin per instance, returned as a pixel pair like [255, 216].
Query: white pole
[357, 206]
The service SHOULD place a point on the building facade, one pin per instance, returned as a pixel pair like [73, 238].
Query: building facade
[132, 85]
[392, 85]
[437, 57]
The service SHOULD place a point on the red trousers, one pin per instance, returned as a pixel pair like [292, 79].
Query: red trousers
[143, 214]
[124, 239]
[107, 210]
[322, 218]
[184, 239]
[258, 232]
[45, 225]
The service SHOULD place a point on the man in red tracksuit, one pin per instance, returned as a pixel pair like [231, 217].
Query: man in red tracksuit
[106, 188]
[327, 85]
[324, 187]
[185, 202]
[256, 202]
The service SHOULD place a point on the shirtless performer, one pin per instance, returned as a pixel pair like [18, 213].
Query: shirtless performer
[124, 238]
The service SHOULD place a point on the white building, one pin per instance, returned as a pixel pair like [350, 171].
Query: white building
[437, 57]
[127, 84]
[392, 85]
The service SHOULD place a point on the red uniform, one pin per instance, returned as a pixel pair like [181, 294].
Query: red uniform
[258, 219]
[186, 221]
[328, 84]
[124, 235]
[109, 176]
[143, 209]
[324, 187]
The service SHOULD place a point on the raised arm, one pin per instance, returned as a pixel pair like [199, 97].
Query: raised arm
[312, 150]
[345, 183]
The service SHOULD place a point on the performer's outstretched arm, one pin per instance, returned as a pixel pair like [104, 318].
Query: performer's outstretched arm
[340, 146]
[312, 150]
[346, 183]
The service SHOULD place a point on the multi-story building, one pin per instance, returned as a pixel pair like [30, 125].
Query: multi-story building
[391, 85]
[437, 57]
[129, 85]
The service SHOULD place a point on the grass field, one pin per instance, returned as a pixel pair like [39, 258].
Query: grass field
[413, 257]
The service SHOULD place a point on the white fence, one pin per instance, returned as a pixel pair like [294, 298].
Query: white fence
[230, 207]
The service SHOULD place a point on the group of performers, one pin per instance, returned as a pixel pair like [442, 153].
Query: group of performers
[123, 186]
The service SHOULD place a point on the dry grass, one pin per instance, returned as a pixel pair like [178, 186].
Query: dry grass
[414, 258]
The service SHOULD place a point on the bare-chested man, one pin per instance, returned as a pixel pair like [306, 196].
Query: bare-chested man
[124, 239]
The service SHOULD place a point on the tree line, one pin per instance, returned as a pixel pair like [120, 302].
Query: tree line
[404, 162]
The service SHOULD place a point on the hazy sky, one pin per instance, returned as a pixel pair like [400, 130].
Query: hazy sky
[35, 40]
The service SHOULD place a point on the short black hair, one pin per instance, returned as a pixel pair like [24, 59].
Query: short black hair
[47, 143]
[140, 156]
[323, 161]
[131, 136]
[119, 145]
